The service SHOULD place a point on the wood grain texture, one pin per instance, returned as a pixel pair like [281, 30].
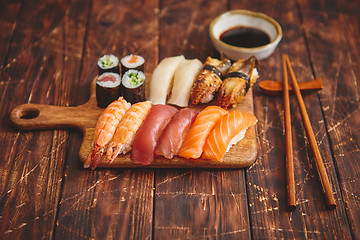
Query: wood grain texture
[340, 98]
[196, 204]
[33, 163]
[8, 15]
[109, 204]
[265, 179]
[47, 56]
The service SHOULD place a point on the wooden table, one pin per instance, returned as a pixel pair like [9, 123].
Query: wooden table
[48, 54]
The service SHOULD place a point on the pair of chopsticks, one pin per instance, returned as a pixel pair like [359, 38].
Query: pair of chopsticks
[329, 196]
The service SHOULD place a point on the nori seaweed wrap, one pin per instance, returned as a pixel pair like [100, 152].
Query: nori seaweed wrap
[108, 89]
[133, 86]
[108, 63]
[131, 61]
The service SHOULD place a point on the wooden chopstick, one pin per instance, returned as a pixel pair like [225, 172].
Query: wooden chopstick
[291, 202]
[329, 196]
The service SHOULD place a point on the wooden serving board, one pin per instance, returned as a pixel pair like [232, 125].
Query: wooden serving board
[84, 117]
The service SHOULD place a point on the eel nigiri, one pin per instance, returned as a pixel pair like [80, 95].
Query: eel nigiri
[162, 79]
[205, 121]
[240, 77]
[208, 81]
[174, 134]
[125, 132]
[105, 129]
[143, 148]
[228, 131]
[183, 81]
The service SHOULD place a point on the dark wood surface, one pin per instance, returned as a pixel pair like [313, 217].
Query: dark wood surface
[48, 52]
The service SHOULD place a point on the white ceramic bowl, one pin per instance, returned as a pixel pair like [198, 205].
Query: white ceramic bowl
[244, 18]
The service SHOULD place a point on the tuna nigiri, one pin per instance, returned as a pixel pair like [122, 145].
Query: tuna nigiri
[143, 148]
[195, 140]
[173, 136]
[228, 131]
[125, 133]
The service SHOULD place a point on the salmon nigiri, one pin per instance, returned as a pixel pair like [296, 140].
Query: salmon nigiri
[142, 150]
[174, 134]
[228, 131]
[125, 133]
[205, 121]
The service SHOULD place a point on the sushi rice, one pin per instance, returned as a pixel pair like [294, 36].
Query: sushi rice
[236, 139]
[133, 79]
[109, 83]
[132, 61]
[108, 61]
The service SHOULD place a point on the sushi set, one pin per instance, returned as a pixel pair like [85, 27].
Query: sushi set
[127, 123]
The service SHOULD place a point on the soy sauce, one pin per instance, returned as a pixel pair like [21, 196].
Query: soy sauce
[245, 37]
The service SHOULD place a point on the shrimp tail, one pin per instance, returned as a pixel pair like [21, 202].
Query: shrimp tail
[112, 153]
[97, 154]
[117, 151]
[89, 158]
[109, 153]
[94, 157]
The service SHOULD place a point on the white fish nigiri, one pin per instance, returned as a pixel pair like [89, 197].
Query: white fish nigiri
[162, 79]
[183, 81]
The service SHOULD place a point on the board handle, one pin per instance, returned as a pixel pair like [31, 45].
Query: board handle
[39, 116]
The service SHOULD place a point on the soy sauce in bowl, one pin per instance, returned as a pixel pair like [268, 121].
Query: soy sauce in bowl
[245, 37]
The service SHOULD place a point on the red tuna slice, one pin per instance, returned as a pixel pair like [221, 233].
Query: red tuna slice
[174, 134]
[147, 137]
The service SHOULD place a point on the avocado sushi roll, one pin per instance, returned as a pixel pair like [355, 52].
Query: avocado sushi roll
[108, 63]
[108, 89]
[133, 86]
[132, 61]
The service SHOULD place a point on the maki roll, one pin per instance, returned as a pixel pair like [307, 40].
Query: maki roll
[132, 62]
[108, 63]
[107, 89]
[133, 86]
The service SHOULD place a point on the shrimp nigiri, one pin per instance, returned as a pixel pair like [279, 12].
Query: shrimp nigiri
[125, 133]
[104, 130]
[228, 131]
[205, 121]
[174, 134]
[143, 148]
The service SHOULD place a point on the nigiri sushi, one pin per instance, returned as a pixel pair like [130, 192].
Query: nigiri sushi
[105, 129]
[205, 121]
[228, 131]
[125, 132]
[143, 148]
[162, 79]
[183, 80]
[208, 80]
[173, 136]
[240, 77]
